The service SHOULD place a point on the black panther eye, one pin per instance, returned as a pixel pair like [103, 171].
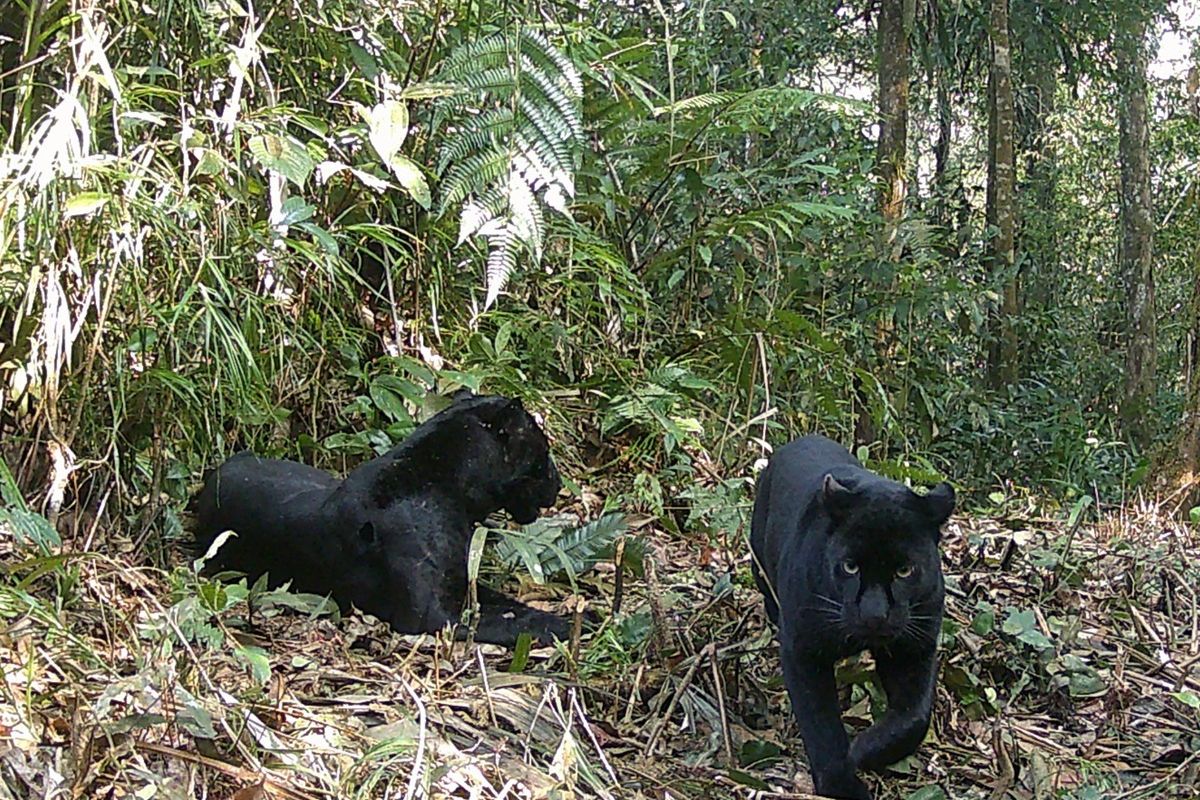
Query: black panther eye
[905, 572]
[849, 567]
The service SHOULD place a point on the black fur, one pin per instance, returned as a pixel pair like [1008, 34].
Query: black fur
[392, 538]
[832, 546]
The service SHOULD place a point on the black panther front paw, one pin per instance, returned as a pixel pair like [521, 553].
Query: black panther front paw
[886, 742]
[842, 784]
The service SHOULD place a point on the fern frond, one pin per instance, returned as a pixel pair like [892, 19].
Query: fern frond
[497, 82]
[524, 214]
[548, 550]
[501, 262]
[473, 174]
[517, 149]
[698, 102]
[482, 54]
[481, 132]
[554, 146]
[550, 60]
[567, 106]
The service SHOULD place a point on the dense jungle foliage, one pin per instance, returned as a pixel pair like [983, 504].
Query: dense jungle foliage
[963, 237]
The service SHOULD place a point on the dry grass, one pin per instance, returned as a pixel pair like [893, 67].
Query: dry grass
[113, 689]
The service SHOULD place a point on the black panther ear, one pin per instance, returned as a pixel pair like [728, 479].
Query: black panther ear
[511, 415]
[939, 503]
[366, 534]
[837, 497]
[462, 394]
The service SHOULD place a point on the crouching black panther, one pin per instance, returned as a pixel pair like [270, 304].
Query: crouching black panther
[848, 561]
[392, 538]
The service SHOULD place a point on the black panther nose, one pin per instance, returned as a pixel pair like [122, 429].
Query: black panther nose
[874, 625]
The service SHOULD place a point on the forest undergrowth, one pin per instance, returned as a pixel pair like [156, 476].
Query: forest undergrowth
[1068, 670]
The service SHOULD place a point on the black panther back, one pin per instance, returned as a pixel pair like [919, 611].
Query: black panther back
[848, 561]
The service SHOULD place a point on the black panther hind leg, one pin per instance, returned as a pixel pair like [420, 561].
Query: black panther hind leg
[758, 532]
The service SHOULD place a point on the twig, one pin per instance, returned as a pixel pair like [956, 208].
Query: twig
[1151, 787]
[420, 755]
[679, 690]
[487, 690]
[577, 627]
[619, 576]
[719, 688]
[578, 708]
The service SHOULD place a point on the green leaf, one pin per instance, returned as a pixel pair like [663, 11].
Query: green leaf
[321, 236]
[365, 62]
[412, 179]
[196, 721]
[755, 752]
[284, 155]
[295, 210]
[1086, 682]
[1023, 625]
[984, 621]
[387, 401]
[134, 722]
[746, 779]
[255, 658]
[521, 653]
[1188, 698]
[931, 792]
[547, 549]
[85, 203]
[387, 125]
[30, 526]
[305, 602]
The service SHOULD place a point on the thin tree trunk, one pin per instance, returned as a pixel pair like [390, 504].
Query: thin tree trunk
[1001, 216]
[1137, 237]
[1176, 468]
[1187, 437]
[1039, 224]
[895, 19]
[895, 23]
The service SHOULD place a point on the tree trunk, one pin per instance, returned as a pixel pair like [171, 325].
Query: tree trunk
[1039, 222]
[1137, 236]
[1001, 216]
[1185, 458]
[1177, 467]
[895, 23]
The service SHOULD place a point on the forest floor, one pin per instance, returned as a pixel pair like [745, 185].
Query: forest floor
[1071, 668]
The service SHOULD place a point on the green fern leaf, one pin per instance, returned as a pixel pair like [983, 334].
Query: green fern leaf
[473, 174]
[552, 60]
[514, 129]
[547, 550]
[501, 262]
[477, 133]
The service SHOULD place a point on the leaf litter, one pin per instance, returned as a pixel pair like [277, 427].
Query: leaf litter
[1070, 668]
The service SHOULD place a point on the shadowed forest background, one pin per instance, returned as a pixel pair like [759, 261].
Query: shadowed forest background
[962, 238]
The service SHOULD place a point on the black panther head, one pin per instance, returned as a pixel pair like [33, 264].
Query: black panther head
[882, 559]
[488, 452]
[531, 480]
